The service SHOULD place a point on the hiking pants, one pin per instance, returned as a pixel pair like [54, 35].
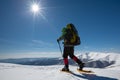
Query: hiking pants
[69, 51]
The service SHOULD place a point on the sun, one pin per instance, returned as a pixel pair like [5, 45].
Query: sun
[35, 8]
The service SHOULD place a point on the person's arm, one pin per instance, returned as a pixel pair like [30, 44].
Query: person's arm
[62, 37]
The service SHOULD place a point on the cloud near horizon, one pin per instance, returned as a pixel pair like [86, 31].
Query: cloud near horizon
[41, 43]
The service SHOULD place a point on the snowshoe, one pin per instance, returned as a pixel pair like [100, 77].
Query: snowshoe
[85, 71]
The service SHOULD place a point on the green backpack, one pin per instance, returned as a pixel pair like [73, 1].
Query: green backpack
[74, 37]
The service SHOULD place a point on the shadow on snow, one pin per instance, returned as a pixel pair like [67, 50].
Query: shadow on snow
[93, 77]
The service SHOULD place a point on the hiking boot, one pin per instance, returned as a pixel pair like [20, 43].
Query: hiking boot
[65, 69]
[81, 66]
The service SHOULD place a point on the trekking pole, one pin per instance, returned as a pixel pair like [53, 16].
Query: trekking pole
[60, 47]
[61, 62]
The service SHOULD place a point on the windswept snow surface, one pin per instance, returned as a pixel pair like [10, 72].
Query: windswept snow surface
[106, 66]
[22, 72]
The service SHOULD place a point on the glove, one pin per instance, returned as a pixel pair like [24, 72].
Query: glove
[57, 40]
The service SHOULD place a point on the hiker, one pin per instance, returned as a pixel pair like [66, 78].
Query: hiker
[67, 35]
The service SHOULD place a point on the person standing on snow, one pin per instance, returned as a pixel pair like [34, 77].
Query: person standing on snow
[68, 48]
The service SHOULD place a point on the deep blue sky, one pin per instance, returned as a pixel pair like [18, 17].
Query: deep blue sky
[97, 21]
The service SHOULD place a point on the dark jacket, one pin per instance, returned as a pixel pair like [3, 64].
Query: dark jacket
[66, 36]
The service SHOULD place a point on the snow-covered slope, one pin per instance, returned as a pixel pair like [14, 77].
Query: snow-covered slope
[106, 66]
[10, 71]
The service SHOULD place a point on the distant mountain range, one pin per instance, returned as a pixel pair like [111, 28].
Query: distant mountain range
[92, 59]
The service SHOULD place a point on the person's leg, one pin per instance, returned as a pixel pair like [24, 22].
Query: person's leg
[80, 63]
[72, 56]
[65, 59]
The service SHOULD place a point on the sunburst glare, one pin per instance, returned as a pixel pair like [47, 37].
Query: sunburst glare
[37, 9]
